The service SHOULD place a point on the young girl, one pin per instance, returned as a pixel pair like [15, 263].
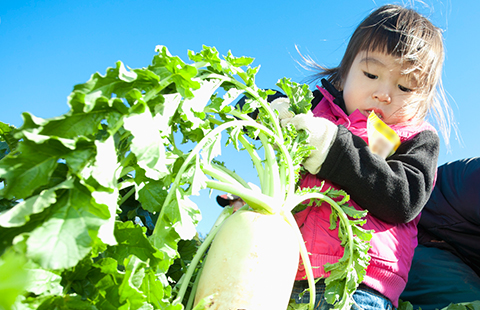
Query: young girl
[392, 67]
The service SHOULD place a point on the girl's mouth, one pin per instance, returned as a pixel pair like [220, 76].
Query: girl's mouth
[379, 113]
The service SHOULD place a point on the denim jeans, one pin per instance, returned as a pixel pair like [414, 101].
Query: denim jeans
[365, 298]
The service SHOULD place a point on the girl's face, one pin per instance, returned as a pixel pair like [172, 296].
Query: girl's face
[375, 83]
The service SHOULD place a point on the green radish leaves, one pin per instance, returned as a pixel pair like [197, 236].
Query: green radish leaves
[94, 203]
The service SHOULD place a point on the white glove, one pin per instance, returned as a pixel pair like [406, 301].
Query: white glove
[281, 105]
[322, 133]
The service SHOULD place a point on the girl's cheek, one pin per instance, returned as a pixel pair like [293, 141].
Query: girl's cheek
[349, 104]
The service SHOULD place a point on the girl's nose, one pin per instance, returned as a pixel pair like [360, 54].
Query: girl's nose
[382, 96]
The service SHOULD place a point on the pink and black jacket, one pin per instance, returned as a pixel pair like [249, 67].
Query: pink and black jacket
[393, 190]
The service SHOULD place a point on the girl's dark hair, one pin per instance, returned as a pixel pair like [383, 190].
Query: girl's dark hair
[409, 36]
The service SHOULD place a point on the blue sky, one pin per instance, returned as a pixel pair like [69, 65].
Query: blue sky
[49, 46]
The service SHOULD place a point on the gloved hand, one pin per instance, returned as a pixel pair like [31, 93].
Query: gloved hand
[281, 105]
[322, 133]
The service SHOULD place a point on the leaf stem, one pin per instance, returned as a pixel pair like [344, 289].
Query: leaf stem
[191, 298]
[161, 85]
[263, 103]
[224, 174]
[185, 164]
[297, 199]
[124, 163]
[257, 162]
[257, 201]
[200, 145]
[272, 168]
[127, 195]
[304, 255]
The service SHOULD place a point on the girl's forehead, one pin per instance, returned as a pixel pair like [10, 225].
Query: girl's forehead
[379, 58]
[388, 61]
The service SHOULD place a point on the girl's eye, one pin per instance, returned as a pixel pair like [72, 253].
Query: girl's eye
[370, 76]
[404, 89]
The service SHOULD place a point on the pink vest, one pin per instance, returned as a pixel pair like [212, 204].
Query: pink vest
[392, 245]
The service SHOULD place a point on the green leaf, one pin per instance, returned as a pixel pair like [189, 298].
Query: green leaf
[8, 142]
[147, 144]
[205, 303]
[66, 303]
[165, 112]
[67, 235]
[81, 278]
[333, 293]
[20, 213]
[129, 287]
[6, 204]
[31, 166]
[108, 298]
[42, 282]
[154, 290]
[363, 234]
[105, 172]
[5, 131]
[199, 101]
[4, 149]
[354, 213]
[181, 74]
[333, 220]
[184, 214]
[212, 148]
[84, 96]
[83, 155]
[76, 123]
[186, 251]
[13, 278]
[107, 201]
[294, 306]
[132, 241]
[199, 179]
[105, 167]
[249, 77]
[165, 239]
[238, 61]
[13, 236]
[228, 98]
[457, 307]
[250, 106]
[299, 95]
[152, 196]
[209, 55]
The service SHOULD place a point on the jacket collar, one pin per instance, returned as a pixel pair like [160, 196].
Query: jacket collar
[337, 94]
[337, 109]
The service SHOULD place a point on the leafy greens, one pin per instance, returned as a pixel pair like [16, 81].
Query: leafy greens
[75, 187]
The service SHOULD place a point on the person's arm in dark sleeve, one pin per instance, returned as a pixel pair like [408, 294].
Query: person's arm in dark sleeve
[459, 185]
[451, 217]
[394, 190]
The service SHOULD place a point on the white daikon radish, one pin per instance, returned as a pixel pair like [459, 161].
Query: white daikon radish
[251, 264]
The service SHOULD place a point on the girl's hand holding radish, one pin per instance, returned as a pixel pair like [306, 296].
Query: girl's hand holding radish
[282, 106]
[321, 132]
